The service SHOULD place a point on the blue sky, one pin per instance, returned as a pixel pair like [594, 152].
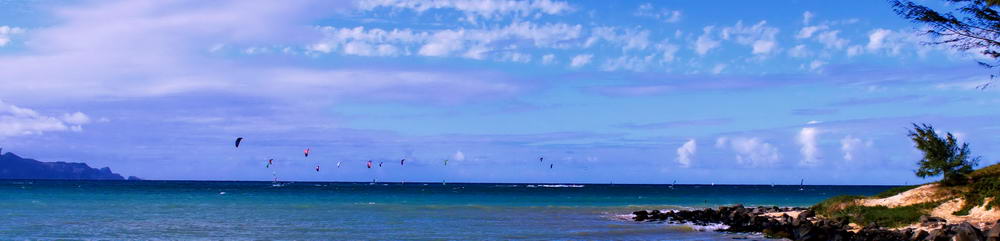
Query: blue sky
[607, 91]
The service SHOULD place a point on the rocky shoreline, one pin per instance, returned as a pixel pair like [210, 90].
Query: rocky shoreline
[775, 222]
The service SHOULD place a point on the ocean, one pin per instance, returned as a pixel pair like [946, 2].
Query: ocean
[203, 210]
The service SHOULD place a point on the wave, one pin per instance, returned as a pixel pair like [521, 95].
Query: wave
[707, 227]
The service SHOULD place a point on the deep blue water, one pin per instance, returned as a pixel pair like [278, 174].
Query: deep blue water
[144, 210]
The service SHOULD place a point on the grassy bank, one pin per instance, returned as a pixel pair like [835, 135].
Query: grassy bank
[983, 186]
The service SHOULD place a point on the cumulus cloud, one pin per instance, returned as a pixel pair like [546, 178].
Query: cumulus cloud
[854, 50]
[808, 31]
[750, 151]
[799, 51]
[628, 38]
[686, 152]
[468, 43]
[876, 38]
[6, 32]
[718, 68]
[580, 60]
[815, 65]
[850, 146]
[473, 9]
[810, 151]
[760, 37]
[705, 42]
[157, 48]
[548, 59]
[18, 121]
[666, 15]
[458, 156]
[831, 40]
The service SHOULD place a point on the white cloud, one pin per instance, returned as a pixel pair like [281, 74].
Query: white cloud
[468, 43]
[891, 42]
[473, 9]
[516, 57]
[808, 31]
[6, 32]
[750, 151]
[77, 118]
[854, 50]
[580, 60]
[629, 39]
[458, 156]
[810, 151]
[799, 51]
[633, 63]
[816, 65]
[686, 152]
[669, 51]
[760, 37]
[662, 14]
[18, 121]
[705, 42]
[806, 17]
[850, 146]
[548, 59]
[718, 68]
[876, 38]
[830, 40]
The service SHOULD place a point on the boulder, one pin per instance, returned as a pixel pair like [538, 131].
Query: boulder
[926, 220]
[806, 214]
[994, 233]
[640, 215]
[919, 235]
[966, 232]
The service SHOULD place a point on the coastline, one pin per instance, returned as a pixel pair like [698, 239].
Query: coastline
[802, 224]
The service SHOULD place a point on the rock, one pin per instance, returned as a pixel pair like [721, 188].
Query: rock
[806, 232]
[994, 233]
[926, 220]
[966, 232]
[806, 214]
[919, 235]
[940, 234]
[640, 215]
[872, 225]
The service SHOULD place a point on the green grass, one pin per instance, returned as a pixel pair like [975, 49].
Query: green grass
[884, 216]
[845, 207]
[982, 187]
[989, 171]
[833, 204]
[983, 183]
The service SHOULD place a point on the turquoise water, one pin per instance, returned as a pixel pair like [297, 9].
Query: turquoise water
[122, 210]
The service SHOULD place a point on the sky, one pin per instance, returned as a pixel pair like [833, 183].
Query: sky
[605, 91]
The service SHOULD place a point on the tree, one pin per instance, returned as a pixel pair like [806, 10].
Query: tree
[942, 156]
[976, 26]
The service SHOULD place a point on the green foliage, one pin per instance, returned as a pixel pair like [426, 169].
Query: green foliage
[985, 184]
[834, 204]
[942, 156]
[896, 190]
[884, 216]
[972, 26]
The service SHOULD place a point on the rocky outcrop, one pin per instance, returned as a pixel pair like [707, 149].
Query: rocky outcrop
[15, 167]
[775, 222]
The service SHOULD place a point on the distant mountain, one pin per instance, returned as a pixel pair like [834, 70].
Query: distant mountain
[16, 167]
